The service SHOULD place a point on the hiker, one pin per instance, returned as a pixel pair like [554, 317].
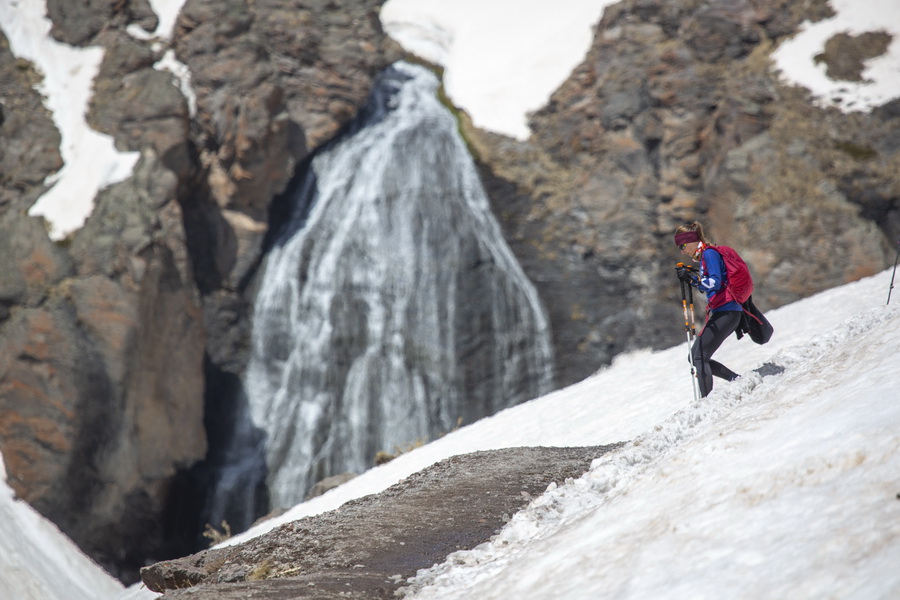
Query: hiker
[724, 316]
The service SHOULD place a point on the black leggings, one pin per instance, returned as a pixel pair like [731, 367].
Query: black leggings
[719, 326]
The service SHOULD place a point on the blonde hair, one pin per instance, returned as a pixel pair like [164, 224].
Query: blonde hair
[696, 227]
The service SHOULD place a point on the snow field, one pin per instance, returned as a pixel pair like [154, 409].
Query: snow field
[795, 58]
[38, 562]
[777, 487]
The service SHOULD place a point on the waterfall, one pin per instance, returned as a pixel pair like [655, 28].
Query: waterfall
[390, 306]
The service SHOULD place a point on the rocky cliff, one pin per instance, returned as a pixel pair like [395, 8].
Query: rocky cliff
[116, 342]
[676, 114]
[104, 335]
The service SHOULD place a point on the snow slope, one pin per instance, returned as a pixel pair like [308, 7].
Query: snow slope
[502, 59]
[796, 57]
[783, 486]
[38, 562]
[638, 392]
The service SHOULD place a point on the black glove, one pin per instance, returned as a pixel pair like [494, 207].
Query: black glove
[685, 274]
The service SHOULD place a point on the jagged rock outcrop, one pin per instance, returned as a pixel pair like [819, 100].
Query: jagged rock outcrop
[103, 337]
[30, 149]
[113, 341]
[676, 114]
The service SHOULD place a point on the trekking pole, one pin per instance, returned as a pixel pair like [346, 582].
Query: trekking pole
[694, 372]
[690, 291]
[689, 329]
[895, 271]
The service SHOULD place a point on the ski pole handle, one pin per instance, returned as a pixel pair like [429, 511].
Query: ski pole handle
[689, 327]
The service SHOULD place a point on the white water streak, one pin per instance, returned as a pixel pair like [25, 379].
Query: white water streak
[358, 345]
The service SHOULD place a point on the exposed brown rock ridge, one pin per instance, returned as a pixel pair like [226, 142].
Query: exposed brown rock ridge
[367, 548]
[103, 337]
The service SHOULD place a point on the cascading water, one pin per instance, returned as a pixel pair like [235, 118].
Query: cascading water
[390, 306]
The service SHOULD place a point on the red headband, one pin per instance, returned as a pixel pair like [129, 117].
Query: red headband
[686, 237]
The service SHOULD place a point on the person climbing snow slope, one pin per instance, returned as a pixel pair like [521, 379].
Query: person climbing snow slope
[725, 314]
